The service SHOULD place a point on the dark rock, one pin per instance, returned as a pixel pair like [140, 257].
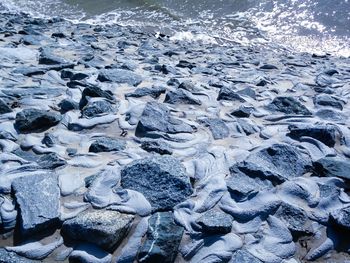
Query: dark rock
[106, 144]
[243, 256]
[156, 118]
[37, 197]
[324, 80]
[154, 92]
[34, 120]
[103, 228]
[189, 86]
[276, 163]
[181, 96]
[330, 115]
[47, 58]
[67, 74]
[51, 161]
[215, 222]
[333, 167]
[157, 147]
[331, 72]
[162, 180]
[162, 239]
[49, 140]
[120, 76]
[246, 126]
[249, 92]
[97, 107]
[268, 66]
[341, 217]
[173, 82]
[185, 64]
[68, 105]
[93, 92]
[242, 112]
[217, 127]
[327, 100]
[165, 69]
[4, 108]
[288, 105]
[323, 133]
[12, 257]
[227, 93]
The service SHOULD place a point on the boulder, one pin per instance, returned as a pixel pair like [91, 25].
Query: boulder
[103, 228]
[163, 238]
[120, 76]
[34, 120]
[106, 144]
[38, 200]
[215, 222]
[161, 179]
[288, 105]
[242, 112]
[333, 167]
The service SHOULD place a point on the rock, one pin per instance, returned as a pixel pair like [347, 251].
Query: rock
[156, 118]
[93, 92]
[120, 76]
[157, 147]
[333, 167]
[162, 180]
[49, 140]
[103, 228]
[47, 58]
[227, 93]
[89, 253]
[242, 112]
[249, 92]
[185, 64]
[341, 217]
[106, 144]
[97, 107]
[34, 120]
[4, 108]
[247, 126]
[328, 100]
[50, 161]
[217, 127]
[215, 222]
[38, 200]
[243, 256]
[288, 105]
[68, 105]
[188, 85]
[153, 92]
[181, 96]
[323, 133]
[268, 66]
[8, 214]
[162, 239]
[331, 115]
[12, 257]
[278, 162]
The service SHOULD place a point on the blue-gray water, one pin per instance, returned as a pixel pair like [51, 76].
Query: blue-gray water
[305, 25]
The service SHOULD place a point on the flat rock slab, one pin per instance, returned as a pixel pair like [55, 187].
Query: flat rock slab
[333, 167]
[162, 180]
[162, 239]
[34, 120]
[38, 199]
[215, 222]
[288, 105]
[106, 144]
[181, 96]
[120, 76]
[103, 228]
[218, 128]
[157, 147]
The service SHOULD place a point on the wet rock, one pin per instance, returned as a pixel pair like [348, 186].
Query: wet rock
[341, 217]
[156, 118]
[68, 105]
[242, 112]
[277, 163]
[227, 93]
[120, 76]
[215, 222]
[12, 257]
[328, 100]
[97, 107]
[153, 92]
[333, 167]
[217, 127]
[50, 161]
[162, 239]
[157, 147]
[162, 180]
[4, 108]
[37, 197]
[93, 92]
[323, 133]
[288, 105]
[103, 228]
[243, 256]
[34, 120]
[107, 144]
[181, 96]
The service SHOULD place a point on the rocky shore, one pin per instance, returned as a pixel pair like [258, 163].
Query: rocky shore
[123, 146]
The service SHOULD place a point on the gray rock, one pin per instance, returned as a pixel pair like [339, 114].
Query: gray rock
[242, 112]
[249, 92]
[162, 180]
[157, 147]
[4, 108]
[107, 144]
[162, 239]
[217, 127]
[215, 222]
[12, 257]
[243, 256]
[47, 58]
[227, 93]
[333, 167]
[38, 198]
[50, 161]
[153, 92]
[331, 115]
[68, 105]
[328, 100]
[97, 107]
[120, 76]
[93, 92]
[89, 253]
[341, 217]
[181, 96]
[247, 126]
[34, 120]
[288, 105]
[268, 66]
[156, 118]
[49, 140]
[103, 228]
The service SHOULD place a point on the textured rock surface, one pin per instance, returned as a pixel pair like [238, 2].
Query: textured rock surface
[106, 144]
[215, 222]
[34, 120]
[288, 105]
[120, 76]
[333, 166]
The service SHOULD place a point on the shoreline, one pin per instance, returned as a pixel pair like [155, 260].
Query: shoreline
[119, 146]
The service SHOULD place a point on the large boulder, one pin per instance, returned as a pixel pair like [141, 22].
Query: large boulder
[156, 118]
[288, 105]
[161, 179]
[38, 200]
[333, 167]
[103, 228]
[34, 120]
[120, 76]
[162, 239]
